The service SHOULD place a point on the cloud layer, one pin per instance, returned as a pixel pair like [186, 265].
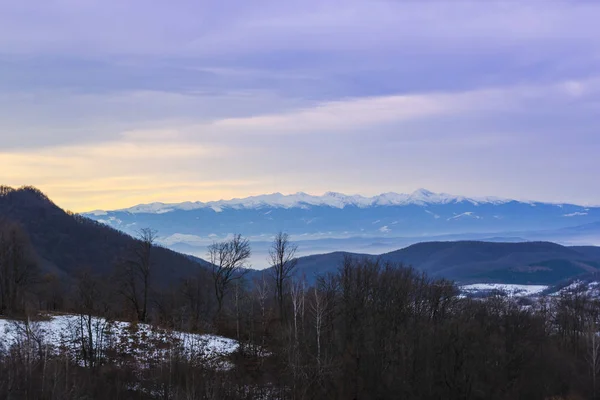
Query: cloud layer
[104, 104]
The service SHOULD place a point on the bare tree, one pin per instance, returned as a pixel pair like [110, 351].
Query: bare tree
[229, 261]
[262, 292]
[593, 353]
[18, 266]
[147, 238]
[30, 345]
[297, 296]
[91, 301]
[194, 293]
[319, 308]
[282, 257]
[136, 273]
[237, 309]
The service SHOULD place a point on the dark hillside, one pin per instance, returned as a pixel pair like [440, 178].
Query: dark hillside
[476, 261]
[589, 251]
[464, 259]
[310, 267]
[68, 242]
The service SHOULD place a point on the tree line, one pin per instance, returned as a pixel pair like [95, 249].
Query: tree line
[371, 330]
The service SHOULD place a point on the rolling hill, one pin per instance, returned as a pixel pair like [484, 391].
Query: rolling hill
[475, 261]
[66, 243]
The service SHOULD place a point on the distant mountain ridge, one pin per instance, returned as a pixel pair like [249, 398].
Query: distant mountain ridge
[330, 199]
[476, 261]
[419, 216]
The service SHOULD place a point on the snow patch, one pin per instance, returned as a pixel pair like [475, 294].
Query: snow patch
[468, 214]
[183, 238]
[509, 289]
[64, 332]
[591, 289]
[575, 214]
[97, 213]
[111, 221]
[434, 215]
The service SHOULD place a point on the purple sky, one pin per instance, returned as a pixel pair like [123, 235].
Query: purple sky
[105, 104]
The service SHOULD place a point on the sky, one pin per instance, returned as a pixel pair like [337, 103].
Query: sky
[106, 104]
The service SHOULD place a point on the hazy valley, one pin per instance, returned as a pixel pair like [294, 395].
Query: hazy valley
[336, 222]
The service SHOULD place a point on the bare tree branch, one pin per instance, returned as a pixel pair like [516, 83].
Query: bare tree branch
[229, 261]
[282, 257]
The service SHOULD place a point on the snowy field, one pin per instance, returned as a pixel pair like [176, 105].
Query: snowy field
[509, 289]
[140, 342]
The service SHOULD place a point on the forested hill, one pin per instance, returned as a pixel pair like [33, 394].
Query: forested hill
[473, 261]
[66, 243]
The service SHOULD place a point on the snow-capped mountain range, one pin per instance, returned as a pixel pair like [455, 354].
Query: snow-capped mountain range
[357, 223]
[421, 197]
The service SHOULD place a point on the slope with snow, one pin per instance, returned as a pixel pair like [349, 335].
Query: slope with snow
[143, 342]
[508, 289]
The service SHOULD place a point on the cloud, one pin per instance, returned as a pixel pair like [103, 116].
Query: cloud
[426, 140]
[226, 27]
[102, 101]
[47, 118]
[358, 112]
[125, 171]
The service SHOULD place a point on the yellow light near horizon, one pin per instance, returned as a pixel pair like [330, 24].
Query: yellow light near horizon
[110, 198]
[116, 175]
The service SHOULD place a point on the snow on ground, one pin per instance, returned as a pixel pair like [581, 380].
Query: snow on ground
[140, 341]
[509, 289]
[591, 289]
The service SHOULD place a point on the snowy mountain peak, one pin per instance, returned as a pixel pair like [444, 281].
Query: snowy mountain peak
[424, 196]
[422, 193]
[420, 197]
